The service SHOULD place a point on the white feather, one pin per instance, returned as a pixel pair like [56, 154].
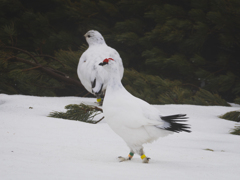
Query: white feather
[88, 68]
[131, 118]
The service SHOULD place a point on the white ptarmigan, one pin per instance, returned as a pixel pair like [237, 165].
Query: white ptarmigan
[93, 77]
[133, 119]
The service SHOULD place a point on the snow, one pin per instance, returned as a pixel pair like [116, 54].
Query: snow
[34, 146]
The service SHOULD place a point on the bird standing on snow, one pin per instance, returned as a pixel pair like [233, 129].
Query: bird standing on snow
[93, 77]
[133, 119]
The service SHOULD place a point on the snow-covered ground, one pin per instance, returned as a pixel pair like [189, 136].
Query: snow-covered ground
[34, 146]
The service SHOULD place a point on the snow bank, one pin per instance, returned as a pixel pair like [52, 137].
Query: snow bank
[34, 146]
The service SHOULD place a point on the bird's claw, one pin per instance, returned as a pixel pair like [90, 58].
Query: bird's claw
[146, 160]
[121, 159]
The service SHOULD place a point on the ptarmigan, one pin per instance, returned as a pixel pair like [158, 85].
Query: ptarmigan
[93, 77]
[133, 119]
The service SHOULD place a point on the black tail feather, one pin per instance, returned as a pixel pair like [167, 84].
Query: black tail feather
[93, 86]
[174, 123]
[93, 83]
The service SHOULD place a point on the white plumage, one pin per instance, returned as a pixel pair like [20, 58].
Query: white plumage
[133, 119]
[93, 77]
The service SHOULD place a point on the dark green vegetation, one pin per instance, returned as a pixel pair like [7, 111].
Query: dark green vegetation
[82, 112]
[173, 51]
[236, 131]
[232, 116]
[156, 90]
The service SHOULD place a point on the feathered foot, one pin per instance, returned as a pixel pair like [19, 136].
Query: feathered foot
[130, 155]
[100, 101]
[121, 159]
[145, 159]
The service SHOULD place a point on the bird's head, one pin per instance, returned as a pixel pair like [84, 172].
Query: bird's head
[94, 37]
[106, 61]
[111, 67]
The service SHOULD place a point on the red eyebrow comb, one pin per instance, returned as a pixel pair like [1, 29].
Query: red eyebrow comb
[107, 59]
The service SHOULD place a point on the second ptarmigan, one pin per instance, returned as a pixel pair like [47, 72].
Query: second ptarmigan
[133, 119]
[93, 77]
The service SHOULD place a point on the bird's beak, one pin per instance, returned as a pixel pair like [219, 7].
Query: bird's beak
[102, 63]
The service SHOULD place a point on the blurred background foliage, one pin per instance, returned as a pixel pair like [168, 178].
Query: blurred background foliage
[184, 52]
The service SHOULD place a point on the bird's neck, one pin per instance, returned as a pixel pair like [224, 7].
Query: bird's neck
[97, 42]
[114, 82]
[93, 44]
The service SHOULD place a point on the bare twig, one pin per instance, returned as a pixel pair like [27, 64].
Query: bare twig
[79, 94]
[98, 109]
[86, 94]
[49, 71]
[26, 52]
[99, 120]
[31, 68]
[44, 55]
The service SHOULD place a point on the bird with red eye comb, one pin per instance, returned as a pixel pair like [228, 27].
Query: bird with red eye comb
[134, 120]
[92, 76]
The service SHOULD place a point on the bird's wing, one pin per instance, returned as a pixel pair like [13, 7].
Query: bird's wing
[151, 114]
[146, 115]
[83, 72]
[98, 79]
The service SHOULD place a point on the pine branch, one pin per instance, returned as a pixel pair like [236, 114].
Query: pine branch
[52, 72]
[81, 112]
[26, 52]
[99, 120]
[31, 68]
[188, 84]
[44, 55]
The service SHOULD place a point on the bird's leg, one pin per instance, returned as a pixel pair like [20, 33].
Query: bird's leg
[144, 158]
[100, 99]
[130, 155]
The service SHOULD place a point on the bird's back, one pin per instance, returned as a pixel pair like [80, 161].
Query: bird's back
[132, 119]
[89, 69]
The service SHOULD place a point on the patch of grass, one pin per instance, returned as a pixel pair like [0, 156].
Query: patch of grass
[236, 130]
[82, 112]
[209, 149]
[232, 116]
[237, 100]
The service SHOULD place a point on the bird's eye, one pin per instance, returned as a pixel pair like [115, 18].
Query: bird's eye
[89, 36]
